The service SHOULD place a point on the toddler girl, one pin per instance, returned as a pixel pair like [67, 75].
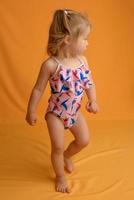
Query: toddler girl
[68, 74]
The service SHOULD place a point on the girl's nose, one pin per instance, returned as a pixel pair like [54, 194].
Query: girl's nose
[86, 44]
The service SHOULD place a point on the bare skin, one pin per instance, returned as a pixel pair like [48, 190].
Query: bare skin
[69, 167]
[55, 126]
[56, 133]
[59, 157]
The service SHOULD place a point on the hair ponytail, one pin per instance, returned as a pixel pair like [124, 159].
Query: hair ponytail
[65, 22]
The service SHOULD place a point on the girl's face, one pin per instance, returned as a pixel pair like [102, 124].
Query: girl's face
[81, 44]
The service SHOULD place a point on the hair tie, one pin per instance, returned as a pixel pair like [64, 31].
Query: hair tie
[66, 12]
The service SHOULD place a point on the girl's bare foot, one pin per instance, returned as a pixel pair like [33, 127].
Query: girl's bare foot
[61, 184]
[68, 164]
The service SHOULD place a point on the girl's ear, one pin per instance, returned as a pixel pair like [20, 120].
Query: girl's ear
[67, 39]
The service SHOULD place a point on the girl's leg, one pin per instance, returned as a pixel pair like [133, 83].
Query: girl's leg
[56, 132]
[81, 133]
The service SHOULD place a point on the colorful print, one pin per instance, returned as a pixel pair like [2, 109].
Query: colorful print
[67, 89]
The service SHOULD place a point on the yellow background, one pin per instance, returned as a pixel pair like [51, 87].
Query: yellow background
[104, 169]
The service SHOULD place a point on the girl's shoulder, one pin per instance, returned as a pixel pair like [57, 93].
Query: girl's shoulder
[50, 65]
[84, 59]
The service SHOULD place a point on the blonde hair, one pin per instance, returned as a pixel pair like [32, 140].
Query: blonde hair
[65, 22]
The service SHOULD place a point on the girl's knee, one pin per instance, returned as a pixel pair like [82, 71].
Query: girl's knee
[82, 143]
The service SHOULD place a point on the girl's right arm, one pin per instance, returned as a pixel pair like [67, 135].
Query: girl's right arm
[37, 91]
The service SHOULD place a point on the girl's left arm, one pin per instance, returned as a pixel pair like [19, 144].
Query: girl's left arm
[91, 92]
[91, 105]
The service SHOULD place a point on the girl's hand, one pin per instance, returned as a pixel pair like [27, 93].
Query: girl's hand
[31, 118]
[92, 107]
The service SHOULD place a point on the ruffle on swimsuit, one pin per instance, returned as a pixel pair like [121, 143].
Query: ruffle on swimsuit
[70, 79]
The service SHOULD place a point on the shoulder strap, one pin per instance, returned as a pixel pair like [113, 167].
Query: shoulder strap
[81, 61]
[56, 59]
[57, 66]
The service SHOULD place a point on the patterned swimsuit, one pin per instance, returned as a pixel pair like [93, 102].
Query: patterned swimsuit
[67, 89]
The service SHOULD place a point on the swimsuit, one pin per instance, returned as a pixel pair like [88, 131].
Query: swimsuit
[67, 89]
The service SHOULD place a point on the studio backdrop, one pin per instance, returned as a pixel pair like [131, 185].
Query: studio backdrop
[104, 169]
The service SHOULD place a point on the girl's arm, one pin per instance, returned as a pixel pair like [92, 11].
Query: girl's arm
[91, 105]
[40, 85]
[91, 91]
